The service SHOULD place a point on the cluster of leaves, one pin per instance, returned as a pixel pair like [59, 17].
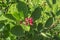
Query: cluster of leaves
[44, 16]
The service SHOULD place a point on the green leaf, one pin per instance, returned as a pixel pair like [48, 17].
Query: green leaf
[21, 6]
[1, 12]
[17, 31]
[9, 16]
[44, 34]
[14, 0]
[6, 31]
[3, 18]
[7, 27]
[36, 13]
[49, 22]
[52, 14]
[35, 2]
[58, 13]
[49, 4]
[7, 1]
[21, 15]
[25, 27]
[40, 27]
[3, 21]
[57, 27]
[16, 16]
[47, 13]
[54, 1]
[13, 10]
[1, 25]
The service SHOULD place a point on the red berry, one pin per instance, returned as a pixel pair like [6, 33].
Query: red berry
[26, 19]
[30, 19]
[31, 24]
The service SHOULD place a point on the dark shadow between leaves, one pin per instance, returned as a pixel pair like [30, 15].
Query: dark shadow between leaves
[52, 14]
[47, 13]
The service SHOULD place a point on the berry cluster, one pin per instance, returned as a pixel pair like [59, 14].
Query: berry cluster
[28, 21]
